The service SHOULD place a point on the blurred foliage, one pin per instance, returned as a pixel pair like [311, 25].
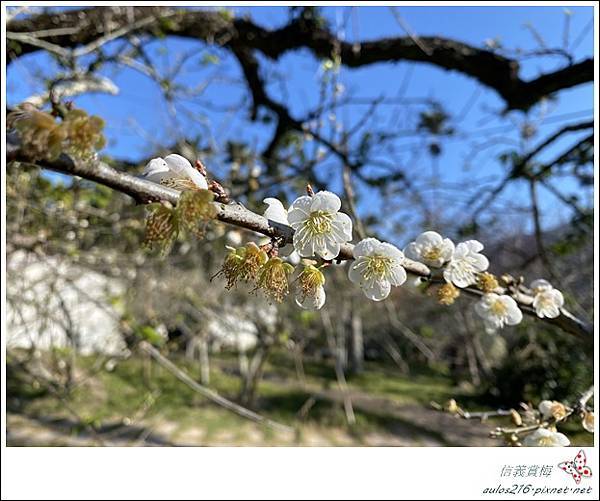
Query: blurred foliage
[542, 365]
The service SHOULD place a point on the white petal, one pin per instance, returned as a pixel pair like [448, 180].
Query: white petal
[293, 257]
[391, 251]
[365, 247]
[447, 249]
[482, 308]
[458, 278]
[325, 201]
[329, 249]
[559, 300]
[302, 203]
[305, 246]
[480, 262]
[552, 311]
[492, 324]
[299, 211]
[397, 275]
[178, 164]
[276, 211]
[377, 290]
[461, 250]
[315, 302]
[561, 440]
[155, 170]
[429, 238]
[413, 251]
[356, 269]
[345, 223]
[545, 408]
[184, 168]
[533, 439]
[540, 285]
[474, 245]
[514, 315]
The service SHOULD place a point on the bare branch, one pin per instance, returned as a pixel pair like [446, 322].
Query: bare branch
[207, 392]
[235, 214]
[489, 68]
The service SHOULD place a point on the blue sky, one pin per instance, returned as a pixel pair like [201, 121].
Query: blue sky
[138, 117]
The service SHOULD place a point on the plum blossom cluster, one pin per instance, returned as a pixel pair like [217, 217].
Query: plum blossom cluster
[549, 414]
[321, 230]
[463, 265]
[547, 300]
[531, 427]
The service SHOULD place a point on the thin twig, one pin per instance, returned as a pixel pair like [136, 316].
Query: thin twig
[207, 392]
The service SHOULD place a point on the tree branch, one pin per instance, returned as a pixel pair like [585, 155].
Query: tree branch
[101, 23]
[143, 191]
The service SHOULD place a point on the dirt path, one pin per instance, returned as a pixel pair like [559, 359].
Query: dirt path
[401, 425]
[435, 427]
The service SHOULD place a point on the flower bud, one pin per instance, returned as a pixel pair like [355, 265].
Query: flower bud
[447, 294]
[487, 282]
[273, 278]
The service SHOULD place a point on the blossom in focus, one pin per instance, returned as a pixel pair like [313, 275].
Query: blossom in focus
[174, 171]
[243, 263]
[431, 249]
[465, 263]
[552, 409]
[311, 295]
[376, 267]
[498, 310]
[273, 278]
[547, 300]
[320, 229]
[543, 437]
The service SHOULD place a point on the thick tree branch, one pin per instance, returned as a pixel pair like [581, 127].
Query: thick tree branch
[489, 68]
[235, 214]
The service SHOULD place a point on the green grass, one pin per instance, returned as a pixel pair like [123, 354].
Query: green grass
[109, 396]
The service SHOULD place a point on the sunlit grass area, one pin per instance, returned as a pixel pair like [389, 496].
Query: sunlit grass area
[137, 399]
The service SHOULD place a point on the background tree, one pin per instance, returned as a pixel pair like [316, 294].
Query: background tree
[271, 105]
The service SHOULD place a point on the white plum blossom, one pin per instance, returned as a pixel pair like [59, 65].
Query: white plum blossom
[552, 409]
[431, 249]
[311, 294]
[540, 285]
[465, 263]
[376, 267]
[542, 437]
[174, 171]
[277, 213]
[498, 310]
[320, 229]
[547, 300]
